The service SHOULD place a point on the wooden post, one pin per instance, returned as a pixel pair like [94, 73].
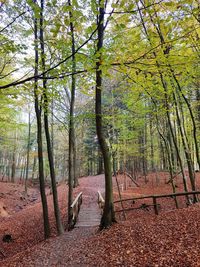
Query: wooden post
[155, 205]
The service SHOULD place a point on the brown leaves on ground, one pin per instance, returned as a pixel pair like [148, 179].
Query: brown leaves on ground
[14, 199]
[26, 226]
[144, 240]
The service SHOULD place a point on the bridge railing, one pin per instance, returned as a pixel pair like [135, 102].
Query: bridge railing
[154, 199]
[75, 208]
[100, 200]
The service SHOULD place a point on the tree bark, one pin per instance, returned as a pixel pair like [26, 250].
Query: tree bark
[108, 217]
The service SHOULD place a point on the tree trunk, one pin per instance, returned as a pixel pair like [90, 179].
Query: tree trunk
[28, 150]
[167, 107]
[186, 149]
[39, 139]
[59, 225]
[108, 217]
[197, 90]
[13, 167]
[72, 182]
[169, 153]
[191, 115]
[172, 134]
[151, 143]
[34, 167]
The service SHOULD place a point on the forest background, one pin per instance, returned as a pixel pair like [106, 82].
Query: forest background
[89, 87]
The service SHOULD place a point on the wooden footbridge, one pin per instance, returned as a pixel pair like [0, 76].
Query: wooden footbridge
[89, 214]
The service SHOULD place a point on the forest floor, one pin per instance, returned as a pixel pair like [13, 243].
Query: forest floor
[171, 238]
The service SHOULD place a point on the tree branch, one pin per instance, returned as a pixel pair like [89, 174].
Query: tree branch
[21, 14]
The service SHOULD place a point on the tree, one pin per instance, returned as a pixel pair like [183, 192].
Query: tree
[72, 180]
[108, 217]
[38, 111]
[59, 225]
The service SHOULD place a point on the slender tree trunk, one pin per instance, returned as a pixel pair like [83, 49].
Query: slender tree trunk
[28, 150]
[169, 151]
[151, 144]
[108, 217]
[163, 163]
[9, 169]
[59, 225]
[165, 87]
[24, 172]
[172, 134]
[171, 171]
[72, 103]
[186, 150]
[162, 40]
[197, 90]
[191, 115]
[34, 167]
[72, 154]
[13, 166]
[21, 168]
[39, 139]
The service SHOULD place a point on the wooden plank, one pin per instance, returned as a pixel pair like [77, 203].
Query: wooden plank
[88, 217]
